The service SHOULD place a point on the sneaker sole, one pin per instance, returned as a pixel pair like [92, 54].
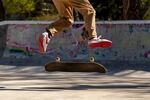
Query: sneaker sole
[104, 44]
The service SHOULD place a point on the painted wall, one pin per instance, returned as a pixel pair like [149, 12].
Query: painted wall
[131, 41]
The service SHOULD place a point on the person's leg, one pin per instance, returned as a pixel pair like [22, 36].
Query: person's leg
[88, 13]
[65, 11]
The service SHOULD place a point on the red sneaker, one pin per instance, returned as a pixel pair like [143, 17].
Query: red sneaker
[98, 42]
[43, 42]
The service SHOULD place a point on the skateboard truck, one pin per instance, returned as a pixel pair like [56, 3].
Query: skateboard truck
[57, 59]
[92, 59]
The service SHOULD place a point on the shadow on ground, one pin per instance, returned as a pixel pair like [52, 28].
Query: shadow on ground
[30, 77]
[112, 66]
[138, 88]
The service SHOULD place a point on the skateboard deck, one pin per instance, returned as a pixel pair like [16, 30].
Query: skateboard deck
[75, 67]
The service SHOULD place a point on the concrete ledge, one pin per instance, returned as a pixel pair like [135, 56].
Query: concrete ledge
[80, 22]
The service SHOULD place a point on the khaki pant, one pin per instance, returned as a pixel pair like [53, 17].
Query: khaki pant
[65, 10]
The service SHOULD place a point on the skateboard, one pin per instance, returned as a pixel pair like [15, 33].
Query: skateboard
[90, 66]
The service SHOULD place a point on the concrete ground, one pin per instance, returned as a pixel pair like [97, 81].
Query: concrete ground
[19, 82]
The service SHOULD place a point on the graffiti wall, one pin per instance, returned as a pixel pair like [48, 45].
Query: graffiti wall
[131, 41]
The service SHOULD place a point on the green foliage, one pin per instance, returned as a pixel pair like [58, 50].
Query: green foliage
[108, 9]
[147, 15]
[2, 12]
[19, 6]
[145, 11]
[44, 9]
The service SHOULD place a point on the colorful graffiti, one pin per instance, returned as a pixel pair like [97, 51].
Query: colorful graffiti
[131, 41]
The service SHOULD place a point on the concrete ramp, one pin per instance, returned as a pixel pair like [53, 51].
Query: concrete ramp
[122, 82]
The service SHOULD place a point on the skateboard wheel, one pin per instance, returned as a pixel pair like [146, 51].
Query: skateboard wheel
[57, 59]
[92, 59]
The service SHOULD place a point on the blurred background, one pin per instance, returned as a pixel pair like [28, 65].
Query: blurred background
[45, 10]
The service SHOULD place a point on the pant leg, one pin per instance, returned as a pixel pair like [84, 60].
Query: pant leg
[88, 12]
[65, 11]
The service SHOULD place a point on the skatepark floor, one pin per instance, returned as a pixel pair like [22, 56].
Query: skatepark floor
[31, 82]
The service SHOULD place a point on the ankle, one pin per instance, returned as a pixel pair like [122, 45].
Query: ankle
[49, 33]
[91, 38]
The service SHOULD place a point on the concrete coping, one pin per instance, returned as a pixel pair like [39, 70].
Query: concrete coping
[80, 22]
